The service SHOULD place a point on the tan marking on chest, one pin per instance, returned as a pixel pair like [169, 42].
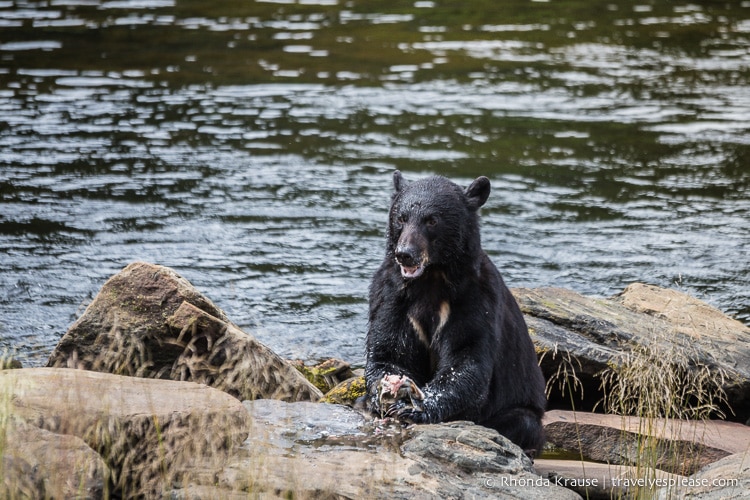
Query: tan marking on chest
[442, 317]
[420, 331]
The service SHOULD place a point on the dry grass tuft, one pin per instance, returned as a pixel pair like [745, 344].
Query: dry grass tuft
[566, 377]
[658, 381]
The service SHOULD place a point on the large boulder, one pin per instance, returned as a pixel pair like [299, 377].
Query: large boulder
[147, 321]
[580, 339]
[309, 450]
[716, 340]
[149, 433]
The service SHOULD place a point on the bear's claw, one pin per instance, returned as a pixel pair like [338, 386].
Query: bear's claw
[412, 415]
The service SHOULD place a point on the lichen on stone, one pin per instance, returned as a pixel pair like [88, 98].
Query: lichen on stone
[347, 392]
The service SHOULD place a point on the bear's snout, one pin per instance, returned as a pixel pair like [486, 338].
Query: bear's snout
[410, 258]
[406, 257]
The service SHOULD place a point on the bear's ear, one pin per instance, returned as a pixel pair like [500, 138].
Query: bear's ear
[398, 181]
[478, 192]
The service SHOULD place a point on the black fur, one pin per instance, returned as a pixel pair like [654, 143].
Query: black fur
[441, 314]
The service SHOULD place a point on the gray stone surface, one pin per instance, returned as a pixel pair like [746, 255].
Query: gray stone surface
[727, 479]
[587, 335]
[319, 450]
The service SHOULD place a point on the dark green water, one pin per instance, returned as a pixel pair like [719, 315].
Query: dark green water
[250, 146]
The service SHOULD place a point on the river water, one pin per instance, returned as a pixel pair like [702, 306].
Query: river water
[250, 146]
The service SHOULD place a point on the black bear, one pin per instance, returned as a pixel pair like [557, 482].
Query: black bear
[441, 315]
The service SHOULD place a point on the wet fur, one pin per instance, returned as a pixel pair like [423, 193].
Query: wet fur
[455, 330]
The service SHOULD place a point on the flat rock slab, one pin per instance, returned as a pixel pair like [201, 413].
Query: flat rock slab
[687, 314]
[613, 439]
[676, 446]
[605, 481]
[321, 450]
[148, 321]
[729, 437]
[149, 433]
[587, 335]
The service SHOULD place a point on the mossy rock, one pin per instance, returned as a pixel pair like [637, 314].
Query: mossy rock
[326, 375]
[347, 392]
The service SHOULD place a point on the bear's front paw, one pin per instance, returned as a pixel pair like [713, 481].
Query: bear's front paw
[396, 392]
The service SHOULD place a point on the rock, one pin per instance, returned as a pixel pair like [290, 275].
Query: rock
[638, 451]
[465, 447]
[150, 433]
[680, 447]
[325, 375]
[148, 321]
[689, 315]
[576, 337]
[604, 481]
[580, 338]
[37, 463]
[347, 392]
[729, 478]
[185, 440]
[220, 355]
[718, 340]
[128, 437]
[353, 456]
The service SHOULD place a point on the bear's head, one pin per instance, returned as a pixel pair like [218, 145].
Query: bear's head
[433, 224]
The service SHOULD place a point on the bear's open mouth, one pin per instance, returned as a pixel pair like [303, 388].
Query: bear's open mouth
[412, 272]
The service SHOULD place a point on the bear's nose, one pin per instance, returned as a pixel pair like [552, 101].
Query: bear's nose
[406, 257]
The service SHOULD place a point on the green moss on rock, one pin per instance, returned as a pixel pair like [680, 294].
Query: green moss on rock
[347, 392]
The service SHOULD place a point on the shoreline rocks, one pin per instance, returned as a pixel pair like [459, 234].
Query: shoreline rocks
[83, 434]
[157, 408]
[355, 456]
[583, 338]
[117, 436]
[611, 448]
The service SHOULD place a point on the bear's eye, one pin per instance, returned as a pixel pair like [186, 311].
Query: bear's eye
[431, 220]
[402, 219]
